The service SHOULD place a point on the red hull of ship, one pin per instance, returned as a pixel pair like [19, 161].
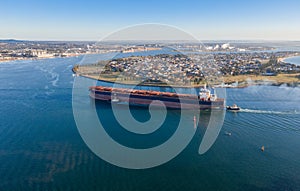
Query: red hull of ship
[154, 98]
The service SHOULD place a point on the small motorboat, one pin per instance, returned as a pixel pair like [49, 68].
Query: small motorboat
[227, 133]
[195, 122]
[234, 107]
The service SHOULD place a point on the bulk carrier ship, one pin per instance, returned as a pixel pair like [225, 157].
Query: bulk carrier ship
[205, 100]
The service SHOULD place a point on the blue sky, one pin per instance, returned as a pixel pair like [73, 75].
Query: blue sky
[206, 20]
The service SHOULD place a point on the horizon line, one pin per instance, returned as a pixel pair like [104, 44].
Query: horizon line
[135, 40]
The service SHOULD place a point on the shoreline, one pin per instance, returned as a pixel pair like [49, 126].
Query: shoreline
[38, 58]
[131, 83]
[241, 81]
[50, 57]
[292, 80]
[285, 58]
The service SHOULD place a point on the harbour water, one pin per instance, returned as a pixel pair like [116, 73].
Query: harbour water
[293, 60]
[41, 149]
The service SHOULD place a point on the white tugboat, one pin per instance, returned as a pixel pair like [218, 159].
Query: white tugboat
[234, 107]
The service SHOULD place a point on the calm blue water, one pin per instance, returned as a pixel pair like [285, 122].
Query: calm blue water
[41, 149]
[293, 60]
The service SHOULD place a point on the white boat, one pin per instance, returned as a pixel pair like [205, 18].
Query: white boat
[234, 107]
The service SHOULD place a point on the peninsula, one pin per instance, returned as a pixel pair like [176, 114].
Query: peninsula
[195, 70]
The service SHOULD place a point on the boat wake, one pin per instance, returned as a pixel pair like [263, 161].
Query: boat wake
[269, 112]
[52, 76]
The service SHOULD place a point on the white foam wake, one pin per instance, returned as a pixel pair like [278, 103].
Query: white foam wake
[50, 74]
[268, 112]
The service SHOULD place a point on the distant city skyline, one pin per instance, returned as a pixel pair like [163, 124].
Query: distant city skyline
[206, 20]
